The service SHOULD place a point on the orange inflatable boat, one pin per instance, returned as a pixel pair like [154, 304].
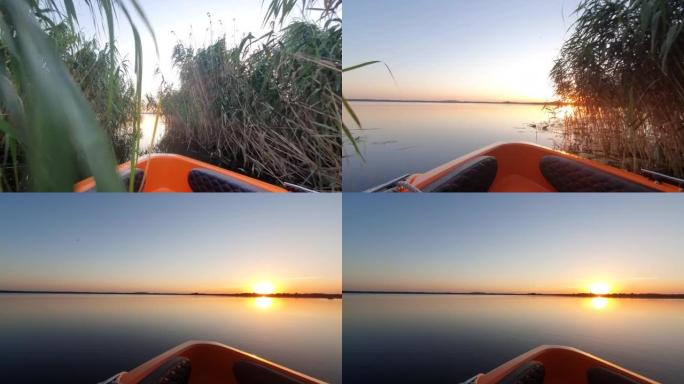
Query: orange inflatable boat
[209, 363]
[175, 173]
[559, 365]
[527, 167]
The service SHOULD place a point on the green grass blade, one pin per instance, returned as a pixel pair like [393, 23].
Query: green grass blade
[64, 137]
[357, 66]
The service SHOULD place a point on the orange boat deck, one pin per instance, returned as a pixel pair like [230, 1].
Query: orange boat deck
[563, 365]
[518, 170]
[170, 173]
[212, 363]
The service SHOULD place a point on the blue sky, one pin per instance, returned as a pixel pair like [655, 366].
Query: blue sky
[513, 242]
[216, 243]
[454, 49]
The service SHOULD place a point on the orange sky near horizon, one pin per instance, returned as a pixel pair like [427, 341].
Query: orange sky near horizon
[497, 51]
[171, 243]
[282, 281]
[514, 243]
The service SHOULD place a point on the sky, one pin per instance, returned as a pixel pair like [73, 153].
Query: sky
[513, 242]
[170, 243]
[496, 50]
[187, 21]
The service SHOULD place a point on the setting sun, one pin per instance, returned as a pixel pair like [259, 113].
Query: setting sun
[264, 288]
[599, 288]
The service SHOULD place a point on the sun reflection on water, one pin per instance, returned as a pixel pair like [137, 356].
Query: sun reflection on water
[599, 303]
[263, 302]
[148, 140]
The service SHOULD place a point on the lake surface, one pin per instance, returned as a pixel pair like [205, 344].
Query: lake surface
[401, 138]
[88, 338]
[147, 130]
[430, 338]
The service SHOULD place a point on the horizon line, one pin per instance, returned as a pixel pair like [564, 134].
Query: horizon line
[142, 293]
[481, 293]
[457, 101]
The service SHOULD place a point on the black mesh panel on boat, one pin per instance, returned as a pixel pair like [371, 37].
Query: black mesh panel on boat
[572, 176]
[474, 176]
[247, 372]
[531, 372]
[204, 180]
[174, 371]
[600, 375]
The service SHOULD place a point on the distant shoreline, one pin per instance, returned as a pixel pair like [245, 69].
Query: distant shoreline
[588, 295]
[273, 295]
[558, 103]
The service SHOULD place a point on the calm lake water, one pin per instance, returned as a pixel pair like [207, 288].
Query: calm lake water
[429, 338]
[88, 338]
[401, 138]
[147, 129]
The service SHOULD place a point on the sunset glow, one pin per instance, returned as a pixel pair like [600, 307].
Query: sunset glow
[302, 253]
[510, 62]
[599, 288]
[264, 288]
[566, 246]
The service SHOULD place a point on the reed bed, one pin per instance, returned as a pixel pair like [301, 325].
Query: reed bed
[623, 70]
[270, 106]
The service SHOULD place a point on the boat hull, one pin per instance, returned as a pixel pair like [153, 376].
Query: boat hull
[520, 167]
[563, 365]
[176, 173]
[213, 363]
